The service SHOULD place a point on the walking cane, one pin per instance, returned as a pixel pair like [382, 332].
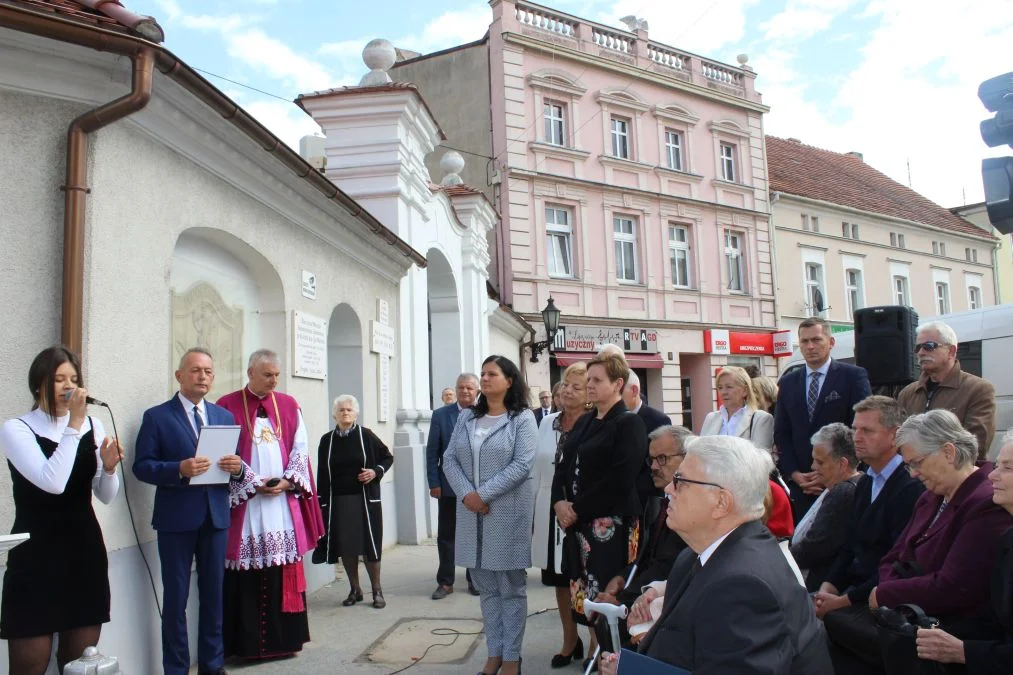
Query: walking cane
[612, 614]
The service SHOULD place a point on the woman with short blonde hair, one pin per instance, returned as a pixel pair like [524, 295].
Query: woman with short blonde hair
[738, 414]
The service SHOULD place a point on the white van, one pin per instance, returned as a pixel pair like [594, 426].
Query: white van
[986, 350]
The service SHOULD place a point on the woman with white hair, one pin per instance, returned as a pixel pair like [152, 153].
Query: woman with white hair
[351, 461]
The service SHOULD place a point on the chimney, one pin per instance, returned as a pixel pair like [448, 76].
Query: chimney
[793, 140]
[857, 155]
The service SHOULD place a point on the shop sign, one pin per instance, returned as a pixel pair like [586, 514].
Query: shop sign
[723, 342]
[593, 338]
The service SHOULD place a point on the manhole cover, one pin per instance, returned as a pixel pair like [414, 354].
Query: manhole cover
[452, 641]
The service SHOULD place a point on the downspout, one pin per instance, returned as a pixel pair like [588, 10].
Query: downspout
[774, 197]
[76, 190]
[996, 286]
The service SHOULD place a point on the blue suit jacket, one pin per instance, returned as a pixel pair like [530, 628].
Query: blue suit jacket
[441, 428]
[164, 440]
[845, 386]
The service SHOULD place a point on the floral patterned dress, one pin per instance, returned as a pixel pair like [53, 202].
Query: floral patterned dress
[605, 547]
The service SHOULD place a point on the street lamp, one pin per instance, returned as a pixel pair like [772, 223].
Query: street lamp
[550, 319]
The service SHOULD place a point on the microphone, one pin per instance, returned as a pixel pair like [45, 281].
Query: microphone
[90, 400]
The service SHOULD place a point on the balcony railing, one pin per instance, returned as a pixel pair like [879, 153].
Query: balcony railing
[546, 20]
[624, 46]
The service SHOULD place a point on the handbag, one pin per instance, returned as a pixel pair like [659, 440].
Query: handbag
[897, 629]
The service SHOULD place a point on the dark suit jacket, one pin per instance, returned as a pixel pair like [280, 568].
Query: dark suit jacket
[653, 418]
[539, 414]
[845, 386]
[817, 551]
[875, 527]
[440, 429]
[743, 612]
[164, 440]
[660, 547]
[612, 451]
[996, 657]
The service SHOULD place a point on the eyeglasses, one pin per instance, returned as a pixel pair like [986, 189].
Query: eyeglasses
[678, 478]
[662, 460]
[929, 346]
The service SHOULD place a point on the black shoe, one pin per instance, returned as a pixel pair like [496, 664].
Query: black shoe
[354, 596]
[587, 662]
[442, 592]
[563, 660]
[220, 671]
[472, 589]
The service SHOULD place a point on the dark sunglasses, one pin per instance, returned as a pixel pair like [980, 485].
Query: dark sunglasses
[929, 346]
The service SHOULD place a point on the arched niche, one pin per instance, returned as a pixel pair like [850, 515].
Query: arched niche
[445, 352]
[344, 355]
[227, 298]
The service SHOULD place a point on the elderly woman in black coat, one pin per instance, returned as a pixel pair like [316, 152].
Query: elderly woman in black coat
[351, 462]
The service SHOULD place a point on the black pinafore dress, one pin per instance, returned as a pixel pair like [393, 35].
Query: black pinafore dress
[59, 578]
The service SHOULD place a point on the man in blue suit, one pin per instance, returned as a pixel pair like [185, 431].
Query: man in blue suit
[808, 399]
[440, 429]
[190, 520]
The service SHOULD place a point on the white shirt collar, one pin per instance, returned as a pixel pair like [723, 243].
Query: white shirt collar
[188, 406]
[709, 551]
[822, 370]
[737, 415]
[640, 404]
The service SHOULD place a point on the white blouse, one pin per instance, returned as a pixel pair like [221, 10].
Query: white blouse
[51, 475]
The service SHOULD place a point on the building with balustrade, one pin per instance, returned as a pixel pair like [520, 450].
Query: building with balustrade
[848, 236]
[630, 178]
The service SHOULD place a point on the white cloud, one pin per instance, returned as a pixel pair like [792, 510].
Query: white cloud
[702, 29]
[449, 29]
[796, 22]
[284, 120]
[277, 60]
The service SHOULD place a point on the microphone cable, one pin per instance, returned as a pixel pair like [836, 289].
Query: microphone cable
[130, 511]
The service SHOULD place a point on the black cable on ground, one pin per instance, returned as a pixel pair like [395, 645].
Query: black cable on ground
[456, 633]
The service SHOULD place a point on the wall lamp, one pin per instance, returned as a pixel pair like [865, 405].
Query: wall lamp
[550, 319]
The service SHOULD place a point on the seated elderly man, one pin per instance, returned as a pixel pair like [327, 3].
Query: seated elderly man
[732, 604]
[823, 531]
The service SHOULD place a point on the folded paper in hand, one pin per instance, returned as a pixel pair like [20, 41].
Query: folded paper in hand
[216, 441]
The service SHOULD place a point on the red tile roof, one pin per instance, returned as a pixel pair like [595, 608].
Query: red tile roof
[839, 178]
[108, 14]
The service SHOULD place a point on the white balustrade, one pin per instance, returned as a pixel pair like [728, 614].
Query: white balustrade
[666, 57]
[610, 40]
[547, 21]
[713, 71]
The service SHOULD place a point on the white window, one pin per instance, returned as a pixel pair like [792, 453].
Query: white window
[555, 127]
[942, 248]
[900, 292]
[805, 222]
[973, 297]
[673, 149]
[678, 247]
[853, 290]
[815, 223]
[846, 230]
[893, 239]
[967, 254]
[620, 138]
[736, 265]
[728, 162]
[974, 255]
[814, 289]
[625, 235]
[900, 241]
[559, 241]
[935, 248]
[942, 298]
[854, 230]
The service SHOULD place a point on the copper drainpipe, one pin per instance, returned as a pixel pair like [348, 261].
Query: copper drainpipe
[76, 190]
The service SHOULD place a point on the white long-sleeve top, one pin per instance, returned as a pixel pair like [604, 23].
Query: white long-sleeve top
[23, 451]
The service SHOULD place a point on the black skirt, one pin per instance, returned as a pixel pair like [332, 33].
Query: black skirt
[549, 575]
[350, 529]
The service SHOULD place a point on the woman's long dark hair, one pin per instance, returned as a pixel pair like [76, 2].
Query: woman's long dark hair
[516, 398]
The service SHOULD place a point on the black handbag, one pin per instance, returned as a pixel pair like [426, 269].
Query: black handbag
[897, 628]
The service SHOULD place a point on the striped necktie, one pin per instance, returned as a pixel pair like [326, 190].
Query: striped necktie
[814, 392]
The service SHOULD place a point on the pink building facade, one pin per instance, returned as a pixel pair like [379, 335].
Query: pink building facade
[631, 182]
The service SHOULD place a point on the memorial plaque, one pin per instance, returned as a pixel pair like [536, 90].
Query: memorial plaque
[309, 346]
[382, 338]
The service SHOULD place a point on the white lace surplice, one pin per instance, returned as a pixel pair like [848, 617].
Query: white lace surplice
[268, 531]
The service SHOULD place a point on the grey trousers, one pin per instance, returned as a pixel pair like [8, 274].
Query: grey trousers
[504, 610]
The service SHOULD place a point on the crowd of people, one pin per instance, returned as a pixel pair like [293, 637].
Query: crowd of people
[808, 526]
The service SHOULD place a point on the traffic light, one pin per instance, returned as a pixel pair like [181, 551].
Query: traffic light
[997, 172]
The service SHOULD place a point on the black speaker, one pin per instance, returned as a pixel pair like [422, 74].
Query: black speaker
[885, 344]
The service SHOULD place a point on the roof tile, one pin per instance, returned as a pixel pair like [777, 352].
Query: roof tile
[839, 178]
[80, 12]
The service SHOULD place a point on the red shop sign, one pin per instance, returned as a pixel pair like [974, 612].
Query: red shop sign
[720, 341]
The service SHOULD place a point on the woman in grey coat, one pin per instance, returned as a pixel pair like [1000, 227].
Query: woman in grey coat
[489, 461]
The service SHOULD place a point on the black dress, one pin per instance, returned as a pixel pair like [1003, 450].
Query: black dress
[58, 579]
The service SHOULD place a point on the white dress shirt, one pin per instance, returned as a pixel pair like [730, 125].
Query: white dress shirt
[188, 407]
[51, 475]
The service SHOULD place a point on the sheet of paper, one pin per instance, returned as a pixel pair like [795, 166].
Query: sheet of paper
[9, 541]
[215, 442]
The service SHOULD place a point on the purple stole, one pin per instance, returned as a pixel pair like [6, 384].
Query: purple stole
[305, 509]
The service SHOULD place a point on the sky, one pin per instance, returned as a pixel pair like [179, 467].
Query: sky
[896, 80]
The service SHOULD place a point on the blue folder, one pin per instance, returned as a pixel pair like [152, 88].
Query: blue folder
[635, 663]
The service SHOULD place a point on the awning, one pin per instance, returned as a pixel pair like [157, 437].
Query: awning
[635, 360]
